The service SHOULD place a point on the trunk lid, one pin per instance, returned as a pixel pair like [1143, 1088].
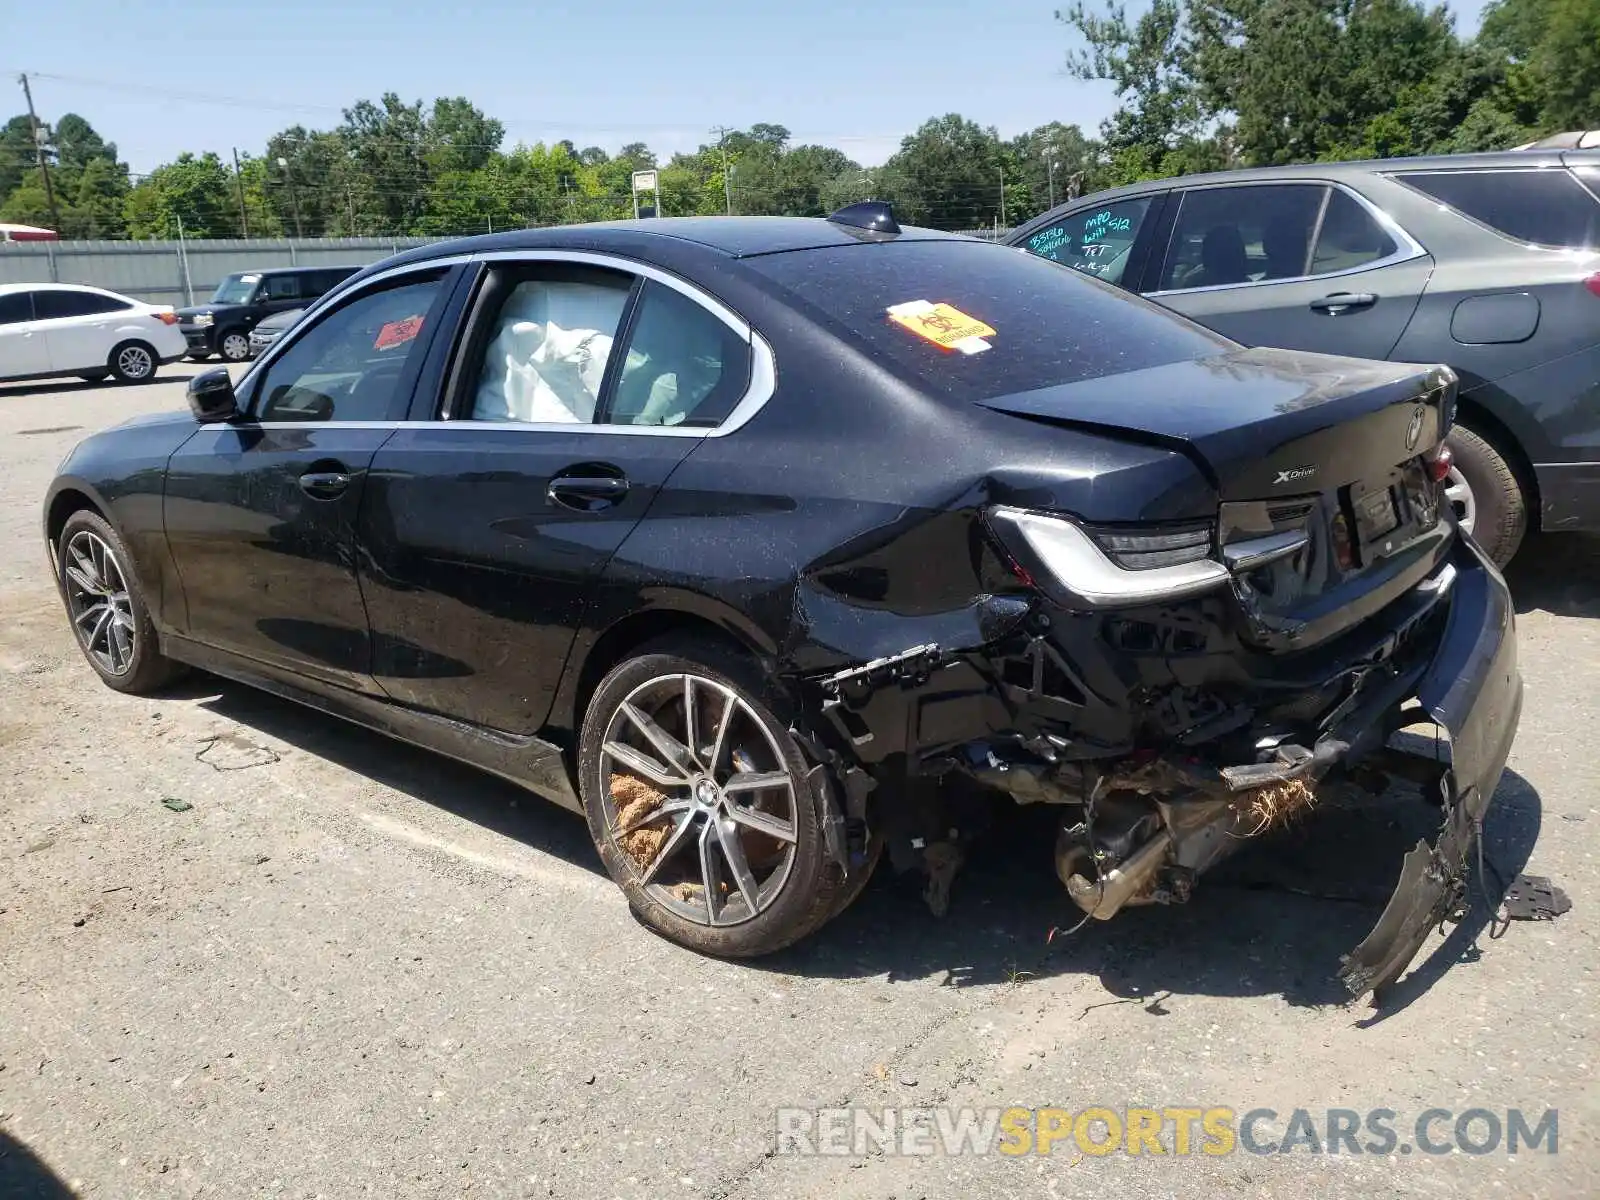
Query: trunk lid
[1322, 453]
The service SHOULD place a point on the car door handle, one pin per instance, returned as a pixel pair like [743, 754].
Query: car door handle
[324, 485]
[587, 492]
[1343, 302]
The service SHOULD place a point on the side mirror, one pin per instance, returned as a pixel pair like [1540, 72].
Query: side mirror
[211, 397]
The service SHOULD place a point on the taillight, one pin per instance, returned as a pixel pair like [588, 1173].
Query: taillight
[166, 318]
[1441, 462]
[1107, 568]
[1145, 549]
[1593, 283]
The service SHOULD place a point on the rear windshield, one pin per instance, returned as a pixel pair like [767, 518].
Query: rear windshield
[972, 320]
[1547, 207]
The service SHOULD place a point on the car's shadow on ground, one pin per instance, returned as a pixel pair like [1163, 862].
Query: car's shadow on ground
[1272, 920]
[1558, 574]
[483, 799]
[24, 1177]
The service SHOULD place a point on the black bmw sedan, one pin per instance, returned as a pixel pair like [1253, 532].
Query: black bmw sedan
[773, 544]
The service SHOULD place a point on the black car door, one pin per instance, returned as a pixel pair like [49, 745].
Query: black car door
[260, 513]
[578, 387]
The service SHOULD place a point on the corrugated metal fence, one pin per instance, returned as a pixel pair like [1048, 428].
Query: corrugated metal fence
[180, 273]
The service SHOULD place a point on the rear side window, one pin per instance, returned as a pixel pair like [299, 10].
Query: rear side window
[1233, 235]
[16, 307]
[280, 287]
[551, 343]
[1097, 241]
[52, 305]
[1049, 325]
[1546, 207]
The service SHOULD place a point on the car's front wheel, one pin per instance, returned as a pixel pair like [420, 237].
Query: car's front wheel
[1486, 495]
[699, 800]
[235, 346]
[133, 362]
[108, 614]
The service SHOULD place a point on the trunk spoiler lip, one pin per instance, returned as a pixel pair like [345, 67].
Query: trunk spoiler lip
[1198, 398]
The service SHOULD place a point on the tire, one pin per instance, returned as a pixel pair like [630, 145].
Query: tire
[133, 362]
[123, 650]
[657, 852]
[234, 345]
[1487, 496]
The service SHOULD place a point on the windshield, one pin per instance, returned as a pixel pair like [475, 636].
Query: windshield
[974, 320]
[235, 289]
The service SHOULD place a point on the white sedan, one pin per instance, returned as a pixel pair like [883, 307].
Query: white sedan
[69, 329]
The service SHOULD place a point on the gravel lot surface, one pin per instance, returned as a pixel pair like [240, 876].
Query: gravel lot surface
[352, 968]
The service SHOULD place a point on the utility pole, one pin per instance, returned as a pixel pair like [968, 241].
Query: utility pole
[1052, 173]
[294, 197]
[727, 173]
[1002, 196]
[38, 150]
[238, 182]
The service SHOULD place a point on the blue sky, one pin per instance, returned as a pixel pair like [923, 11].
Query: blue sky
[158, 77]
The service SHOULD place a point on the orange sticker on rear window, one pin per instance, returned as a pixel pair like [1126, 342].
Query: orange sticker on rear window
[943, 325]
[397, 333]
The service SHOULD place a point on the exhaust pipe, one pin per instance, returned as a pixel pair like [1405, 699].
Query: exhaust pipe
[1103, 897]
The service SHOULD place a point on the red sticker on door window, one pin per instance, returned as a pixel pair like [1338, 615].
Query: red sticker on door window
[397, 333]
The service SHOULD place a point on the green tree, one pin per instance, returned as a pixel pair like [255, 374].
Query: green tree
[460, 137]
[198, 192]
[17, 156]
[947, 175]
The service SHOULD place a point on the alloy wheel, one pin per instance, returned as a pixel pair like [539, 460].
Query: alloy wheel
[698, 797]
[1458, 494]
[97, 598]
[235, 347]
[134, 362]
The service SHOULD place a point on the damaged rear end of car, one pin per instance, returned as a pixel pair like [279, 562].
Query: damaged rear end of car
[1216, 585]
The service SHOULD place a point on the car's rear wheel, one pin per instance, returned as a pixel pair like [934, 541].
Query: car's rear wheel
[108, 614]
[133, 362]
[699, 801]
[234, 345]
[1486, 495]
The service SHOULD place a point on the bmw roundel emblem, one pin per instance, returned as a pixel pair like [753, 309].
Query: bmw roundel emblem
[1414, 430]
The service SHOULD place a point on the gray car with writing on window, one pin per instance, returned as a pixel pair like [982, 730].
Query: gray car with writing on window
[1487, 262]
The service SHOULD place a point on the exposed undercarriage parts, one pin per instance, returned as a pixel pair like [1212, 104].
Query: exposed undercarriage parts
[1166, 755]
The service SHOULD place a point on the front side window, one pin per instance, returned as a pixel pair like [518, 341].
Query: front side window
[1097, 241]
[52, 305]
[16, 307]
[682, 365]
[549, 347]
[348, 367]
[1547, 207]
[1246, 234]
[235, 289]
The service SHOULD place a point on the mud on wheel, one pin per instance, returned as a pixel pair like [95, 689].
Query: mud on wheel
[699, 802]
